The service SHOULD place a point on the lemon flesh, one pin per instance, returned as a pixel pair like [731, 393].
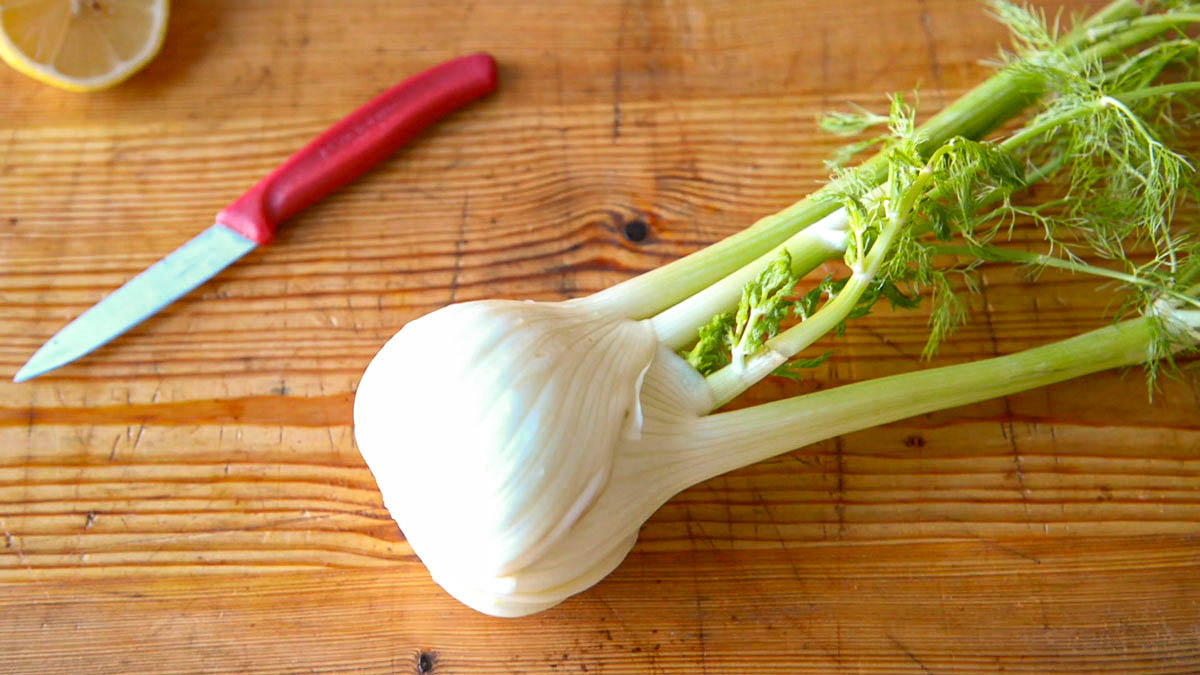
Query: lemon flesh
[81, 45]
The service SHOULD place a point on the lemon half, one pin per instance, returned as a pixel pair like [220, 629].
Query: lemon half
[81, 45]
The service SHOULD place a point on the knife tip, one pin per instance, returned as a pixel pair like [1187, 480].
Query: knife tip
[28, 371]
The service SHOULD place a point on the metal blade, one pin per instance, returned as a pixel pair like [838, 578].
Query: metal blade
[158, 286]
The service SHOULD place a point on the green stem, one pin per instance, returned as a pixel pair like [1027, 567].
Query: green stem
[728, 382]
[791, 341]
[973, 115]
[1123, 34]
[654, 291]
[1159, 90]
[1110, 14]
[676, 326]
[1027, 258]
[735, 439]
[1045, 125]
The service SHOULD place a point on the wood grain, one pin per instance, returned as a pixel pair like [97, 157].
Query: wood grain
[189, 498]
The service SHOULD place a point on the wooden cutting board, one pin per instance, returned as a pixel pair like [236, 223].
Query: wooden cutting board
[190, 498]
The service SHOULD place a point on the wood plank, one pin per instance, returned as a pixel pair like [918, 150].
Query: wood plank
[189, 498]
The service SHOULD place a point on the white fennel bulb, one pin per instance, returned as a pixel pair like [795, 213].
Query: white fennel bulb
[493, 426]
[521, 445]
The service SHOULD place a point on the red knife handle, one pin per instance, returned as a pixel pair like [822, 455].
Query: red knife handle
[358, 142]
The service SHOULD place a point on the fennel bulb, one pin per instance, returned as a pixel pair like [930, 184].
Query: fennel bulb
[533, 460]
[521, 445]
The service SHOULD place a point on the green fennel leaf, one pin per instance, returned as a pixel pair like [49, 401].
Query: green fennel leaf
[711, 352]
[850, 123]
[949, 313]
[794, 369]
[765, 304]
[843, 155]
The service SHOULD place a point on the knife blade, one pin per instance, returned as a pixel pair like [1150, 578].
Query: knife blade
[339, 155]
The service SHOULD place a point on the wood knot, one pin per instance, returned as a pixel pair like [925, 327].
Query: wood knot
[425, 662]
[636, 230]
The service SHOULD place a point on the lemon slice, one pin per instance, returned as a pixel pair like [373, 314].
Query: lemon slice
[81, 45]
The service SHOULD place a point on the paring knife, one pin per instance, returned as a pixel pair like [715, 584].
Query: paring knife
[341, 154]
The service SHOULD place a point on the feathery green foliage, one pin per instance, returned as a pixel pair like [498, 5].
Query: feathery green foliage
[1103, 139]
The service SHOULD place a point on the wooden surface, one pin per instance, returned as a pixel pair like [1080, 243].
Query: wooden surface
[189, 498]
